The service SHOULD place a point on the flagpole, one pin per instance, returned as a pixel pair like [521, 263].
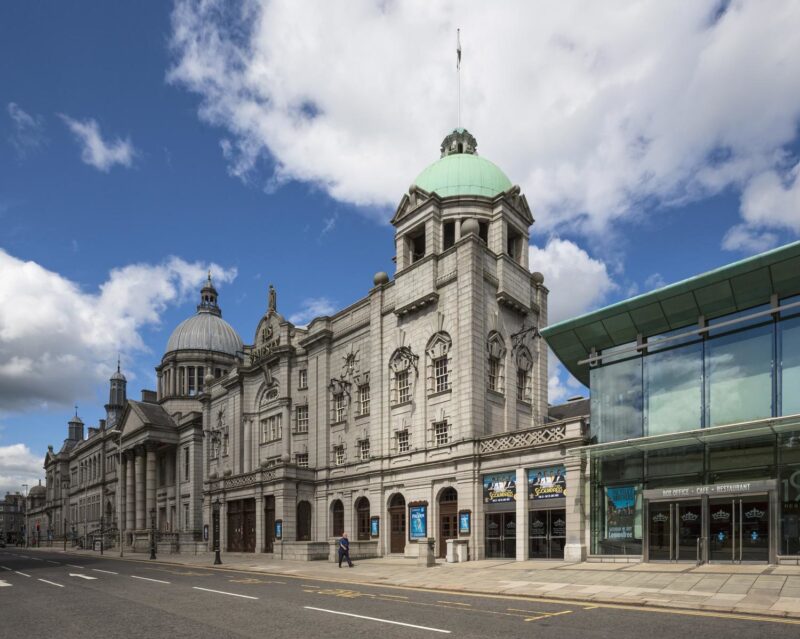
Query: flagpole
[458, 73]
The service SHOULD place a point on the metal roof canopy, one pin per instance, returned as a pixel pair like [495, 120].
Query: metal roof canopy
[735, 287]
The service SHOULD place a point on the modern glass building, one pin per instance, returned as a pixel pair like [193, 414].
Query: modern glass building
[695, 416]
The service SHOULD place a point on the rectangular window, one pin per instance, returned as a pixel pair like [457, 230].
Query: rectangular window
[403, 387]
[186, 463]
[363, 399]
[301, 459]
[302, 419]
[186, 516]
[449, 234]
[302, 378]
[272, 428]
[200, 377]
[191, 381]
[441, 433]
[217, 373]
[338, 455]
[363, 449]
[441, 374]
[522, 385]
[181, 379]
[338, 408]
[494, 374]
[403, 445]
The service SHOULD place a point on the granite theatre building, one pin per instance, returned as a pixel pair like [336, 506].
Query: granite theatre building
[418, 412]
[695, 416]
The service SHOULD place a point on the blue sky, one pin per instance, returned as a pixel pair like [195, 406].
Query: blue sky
[142, 142]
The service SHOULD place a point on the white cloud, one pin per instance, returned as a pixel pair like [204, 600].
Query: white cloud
[57, 340]
[597, 110]
[311, 308]
[577, 282]
[748, 239]
[27, 133]
[18, 466]
[97, 152]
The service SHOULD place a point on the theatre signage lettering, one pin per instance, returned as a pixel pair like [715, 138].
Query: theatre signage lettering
[712, 490]
[499, 488]
[268, 342]
[547, 483]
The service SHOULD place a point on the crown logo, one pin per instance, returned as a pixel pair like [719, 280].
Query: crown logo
[720, 515]
[660, 518]
[689, 516]
[755, 513]
[559, 522]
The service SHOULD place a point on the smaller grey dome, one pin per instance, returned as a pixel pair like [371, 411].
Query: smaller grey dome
[37, 490]
[470, 226]
[537, 278]
[381, 277]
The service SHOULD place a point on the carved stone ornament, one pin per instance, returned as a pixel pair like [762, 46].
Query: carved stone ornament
[350, 368]
[495, 345]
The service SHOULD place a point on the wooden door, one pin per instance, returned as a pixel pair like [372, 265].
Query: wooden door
[234, 526]
[397, 535]
[269, 524]
[448, 526]
[249, 526]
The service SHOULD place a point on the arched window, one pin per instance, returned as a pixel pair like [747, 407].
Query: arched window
[496, 351]
[438, 362]
[337, 517]
[362, 518]
[524, 366]
[303, 521]
[448, 496]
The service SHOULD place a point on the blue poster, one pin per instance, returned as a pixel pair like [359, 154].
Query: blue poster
[374, 527]
[279, 529]
[463, 523]
[499, 488]
[419, 523]
[621, 512]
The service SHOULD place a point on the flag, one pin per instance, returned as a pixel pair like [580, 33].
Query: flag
[458, 48]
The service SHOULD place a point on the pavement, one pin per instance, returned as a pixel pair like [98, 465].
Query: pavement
[80, 594]
[756, 590]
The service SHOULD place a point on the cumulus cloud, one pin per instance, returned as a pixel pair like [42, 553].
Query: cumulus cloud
[311, 308]
[56, 339]
[18, 465]
[27, 131]
[598, 111]
[97, 152]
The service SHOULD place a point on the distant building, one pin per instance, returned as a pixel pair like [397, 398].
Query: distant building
[12, 517]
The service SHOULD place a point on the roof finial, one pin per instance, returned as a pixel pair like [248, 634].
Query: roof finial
[209, 276]
[458, 73]
[118, 363]
[76, 410]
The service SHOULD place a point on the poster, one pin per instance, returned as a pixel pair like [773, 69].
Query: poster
[419, 524]
[499, 488]
[464, 522]
[621, 512]
[547, 483]
[374, 527]
[279, 529]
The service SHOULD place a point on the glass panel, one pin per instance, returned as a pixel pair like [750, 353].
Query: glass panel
[741, 460]
[538, 534]
[720, 528]
[789, 336]
[558, 533]
[690, 518]
[790, 508]
[680, 465]
[755, 529]
[617, 401]
[659, 520]
[739, 376]
[673, 384]
[622, 534]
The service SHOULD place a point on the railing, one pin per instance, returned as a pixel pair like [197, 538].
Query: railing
[542, 435]
[248, 479]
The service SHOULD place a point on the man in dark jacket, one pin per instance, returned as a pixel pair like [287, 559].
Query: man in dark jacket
[344, 550]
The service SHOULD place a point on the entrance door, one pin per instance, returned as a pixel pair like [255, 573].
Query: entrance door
[739, 529]
[448, 526]
[397, 524]
[249, 526]
[548, 534]
[501, 535]
[269, 523]
[674, 530]
[235, 533]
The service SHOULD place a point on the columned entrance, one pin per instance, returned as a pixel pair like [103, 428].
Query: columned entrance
[397, 524]
[242, 525]
[448, 518]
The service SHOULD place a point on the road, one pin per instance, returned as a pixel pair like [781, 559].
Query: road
[78, 596]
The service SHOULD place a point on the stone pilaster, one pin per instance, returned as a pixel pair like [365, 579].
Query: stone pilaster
[575, 549]
[150, 482]
[141, 522]
[523, 515]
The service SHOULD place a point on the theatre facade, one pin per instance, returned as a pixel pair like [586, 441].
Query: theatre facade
[695, 416]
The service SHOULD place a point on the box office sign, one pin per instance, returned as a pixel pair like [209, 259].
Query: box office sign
[499, 488]
[547, 483]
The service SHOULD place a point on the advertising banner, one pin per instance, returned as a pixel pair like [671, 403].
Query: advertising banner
[464, 522]
[419, 522]
[279, 529]
[374, 527]
[621, 512]
[499, 488]
[547, 483]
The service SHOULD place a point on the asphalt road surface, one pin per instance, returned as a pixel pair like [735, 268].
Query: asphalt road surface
[66, 596]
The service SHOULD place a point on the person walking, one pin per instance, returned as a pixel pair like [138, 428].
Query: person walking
[344, 550]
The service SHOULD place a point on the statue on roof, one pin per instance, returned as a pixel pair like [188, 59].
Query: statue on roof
[272, 303]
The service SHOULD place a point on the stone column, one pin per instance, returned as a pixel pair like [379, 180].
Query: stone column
[130, 493]
[121, 486]
[575, 548]
[150, 482]
[141, 522]
[286, 417]
[523, 515]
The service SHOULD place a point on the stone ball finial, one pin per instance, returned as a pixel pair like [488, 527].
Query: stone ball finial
[208, 380]
[470, 226]
[381, 277]
[537, 278]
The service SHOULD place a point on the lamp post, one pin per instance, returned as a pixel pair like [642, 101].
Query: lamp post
[215, 523]
[25, 515]
[101, 534]
[152, 533]
[65, 534]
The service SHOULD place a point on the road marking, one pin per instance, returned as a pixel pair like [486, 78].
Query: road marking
[394, 623]
[72, 574]
[74, 566]
[52, 583]
[50, 561]
[108, 572]
[221, 592]
[456, 603]
[6, 568]
[4, 584]
[21, 573]
[36, 559]
[158, 581]
[395, 596]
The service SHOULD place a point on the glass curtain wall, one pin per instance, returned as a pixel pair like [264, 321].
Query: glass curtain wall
[616, 400]
[789, 343]
[673, 390]
[790, 493]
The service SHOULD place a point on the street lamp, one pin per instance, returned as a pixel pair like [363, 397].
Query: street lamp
[152, 533]
[65, 534]
[215, 523]
[101, 534]
[25, 515]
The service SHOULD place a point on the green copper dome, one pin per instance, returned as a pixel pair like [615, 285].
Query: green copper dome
[461, 172]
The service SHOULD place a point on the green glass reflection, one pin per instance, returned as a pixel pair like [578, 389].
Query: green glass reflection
[790, 365]
[617, 401]
[739, 376]
[673, 390]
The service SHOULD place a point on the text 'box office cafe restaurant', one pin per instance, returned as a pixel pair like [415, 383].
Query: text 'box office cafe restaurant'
[695, 416]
